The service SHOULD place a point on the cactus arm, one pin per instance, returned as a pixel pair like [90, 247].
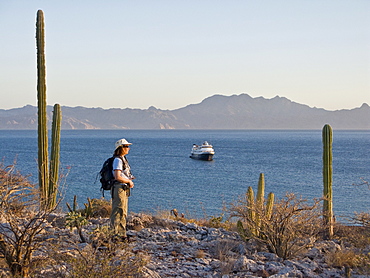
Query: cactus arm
[54, 159]
[75, 205]
[251, 209]
[269, 205]
[261, 190]
[241, 231]
[250, 204]
[260, 201]
[88, 208]
[69, 207]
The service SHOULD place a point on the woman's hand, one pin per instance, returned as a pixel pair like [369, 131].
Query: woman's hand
[119, 178]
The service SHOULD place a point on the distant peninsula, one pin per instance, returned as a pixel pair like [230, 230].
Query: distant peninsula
[215, 112]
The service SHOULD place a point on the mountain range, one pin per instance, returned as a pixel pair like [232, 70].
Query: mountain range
[215, 112]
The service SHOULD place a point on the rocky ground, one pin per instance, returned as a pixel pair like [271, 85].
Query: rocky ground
[178, 249]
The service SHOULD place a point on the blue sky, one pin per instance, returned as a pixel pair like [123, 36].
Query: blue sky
[173, 53]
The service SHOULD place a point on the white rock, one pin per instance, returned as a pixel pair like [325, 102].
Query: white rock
[243, 263]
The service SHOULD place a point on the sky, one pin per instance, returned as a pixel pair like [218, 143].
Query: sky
[171, 53]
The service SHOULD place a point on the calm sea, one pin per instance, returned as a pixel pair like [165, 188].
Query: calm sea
[167, 178]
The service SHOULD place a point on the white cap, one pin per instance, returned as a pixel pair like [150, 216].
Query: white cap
[121, 142]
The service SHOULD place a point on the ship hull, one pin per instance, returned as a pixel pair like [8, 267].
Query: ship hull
[203, 156]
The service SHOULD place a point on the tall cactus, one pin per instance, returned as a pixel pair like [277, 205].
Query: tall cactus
[41, 103]
[47, 181]
[327, 139]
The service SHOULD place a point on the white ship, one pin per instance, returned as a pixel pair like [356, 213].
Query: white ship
[202, 152]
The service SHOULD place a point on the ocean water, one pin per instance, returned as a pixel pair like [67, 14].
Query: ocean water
[167, 178]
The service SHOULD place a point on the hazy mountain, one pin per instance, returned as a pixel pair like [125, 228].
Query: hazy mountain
[215, 112]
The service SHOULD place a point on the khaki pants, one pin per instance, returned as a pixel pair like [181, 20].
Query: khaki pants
[119, 209]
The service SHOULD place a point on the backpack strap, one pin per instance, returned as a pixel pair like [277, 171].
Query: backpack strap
[123, 162]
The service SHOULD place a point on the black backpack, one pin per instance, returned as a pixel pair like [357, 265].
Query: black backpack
[106, 174]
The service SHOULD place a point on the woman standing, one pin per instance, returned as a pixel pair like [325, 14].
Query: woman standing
[121, 188]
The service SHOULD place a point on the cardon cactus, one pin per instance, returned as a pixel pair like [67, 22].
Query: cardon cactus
[260, 199]
[250, 202]
[241, 230]
[41, 104]
[47, 181]
[257, 209]
[327, 139]
[55, 151]
[270, 205]
[251, 208]
[261, 190]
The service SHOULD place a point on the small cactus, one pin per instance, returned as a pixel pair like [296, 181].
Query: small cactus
[88, 212]
[257, 208]
[76, 220]
[242, 231]
[75, 205]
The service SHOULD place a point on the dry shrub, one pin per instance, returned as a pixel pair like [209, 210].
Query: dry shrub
[139, 221]
[291, 228]
[22, 222]
[200, 254]
[163, 214]
[101, 235]
[362, 218]
[216, 222]
[224, 249]
[357, 236]
[227, 252]
[173, 214]
[93, 208]
[161, 217]
[160, 222]
[110, 260]
[227, 267]
[101, 208]
[211, 222]
[349, 259]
